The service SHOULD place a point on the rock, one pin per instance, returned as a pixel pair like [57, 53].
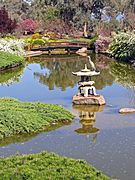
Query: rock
[91, 100]
[82, 50]
[126, 110]
[33, 53]
[54, 124]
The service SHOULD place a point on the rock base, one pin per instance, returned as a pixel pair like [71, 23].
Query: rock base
[90, 100]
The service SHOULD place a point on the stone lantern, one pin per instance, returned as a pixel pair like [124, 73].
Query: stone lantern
[87, 92]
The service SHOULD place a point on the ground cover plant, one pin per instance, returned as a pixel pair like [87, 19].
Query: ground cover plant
[47, 166]
[8, 60]
[26, 117]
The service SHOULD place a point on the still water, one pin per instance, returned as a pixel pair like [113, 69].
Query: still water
[100, 135]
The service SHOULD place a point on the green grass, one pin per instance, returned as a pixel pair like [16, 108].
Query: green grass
[46, 166]
[8, 59]
[26, 117]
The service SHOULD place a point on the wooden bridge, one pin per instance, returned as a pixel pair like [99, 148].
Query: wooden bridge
[67, 46]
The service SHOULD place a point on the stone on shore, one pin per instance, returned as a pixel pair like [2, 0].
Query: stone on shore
[127, 110]
[90, 100]
[33, 53]
[82, 50]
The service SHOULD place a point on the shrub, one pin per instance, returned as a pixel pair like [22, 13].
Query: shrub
[13, 46]
[38, 41]
[36, 36]
[123, 46]
[9, 36]
[102, 43]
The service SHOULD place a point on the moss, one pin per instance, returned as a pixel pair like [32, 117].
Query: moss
[47, 166]
[8, 59]
[26, 117]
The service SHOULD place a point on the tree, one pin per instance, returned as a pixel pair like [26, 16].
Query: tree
[96, 9]
[18, 9]
[28, 25]
[7, 25]
[58, 26]
[74, 12]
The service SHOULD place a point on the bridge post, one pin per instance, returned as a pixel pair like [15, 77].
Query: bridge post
[49, 52]
[68, 51]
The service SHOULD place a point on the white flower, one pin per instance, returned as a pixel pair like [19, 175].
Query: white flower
[13, 46]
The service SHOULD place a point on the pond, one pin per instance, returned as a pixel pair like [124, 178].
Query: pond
[100, 135]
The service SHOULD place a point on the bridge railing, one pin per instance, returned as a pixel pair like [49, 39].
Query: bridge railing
[76, 44]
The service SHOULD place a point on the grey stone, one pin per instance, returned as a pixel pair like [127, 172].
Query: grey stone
[126, 110]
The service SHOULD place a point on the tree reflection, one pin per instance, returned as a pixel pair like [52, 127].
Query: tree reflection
[87, 115]
[60, 73]
[124, 74]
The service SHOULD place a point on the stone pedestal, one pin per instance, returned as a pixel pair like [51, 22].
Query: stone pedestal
[90, 100]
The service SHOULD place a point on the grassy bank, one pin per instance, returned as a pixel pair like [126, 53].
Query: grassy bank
[8, 60]
[47, 166]
[26, 117]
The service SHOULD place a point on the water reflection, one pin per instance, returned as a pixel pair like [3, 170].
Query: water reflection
[88, 119]
[56, 71]
[11, 76]
[124, 74]
[25, 137]
[59, 73]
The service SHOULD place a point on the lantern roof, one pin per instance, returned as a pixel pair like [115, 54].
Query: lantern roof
[86, 72]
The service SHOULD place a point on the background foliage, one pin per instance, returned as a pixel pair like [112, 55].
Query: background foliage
[119, 14]
[123, 46]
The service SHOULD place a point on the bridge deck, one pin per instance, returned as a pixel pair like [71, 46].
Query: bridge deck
[68, 46]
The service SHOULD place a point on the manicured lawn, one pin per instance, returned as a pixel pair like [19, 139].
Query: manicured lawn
[45, 166]
[8, 59]
[27, 117]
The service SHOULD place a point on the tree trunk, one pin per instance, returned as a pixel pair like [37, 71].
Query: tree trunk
[85, 30]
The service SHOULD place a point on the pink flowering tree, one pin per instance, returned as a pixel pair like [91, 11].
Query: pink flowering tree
[28, 25]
